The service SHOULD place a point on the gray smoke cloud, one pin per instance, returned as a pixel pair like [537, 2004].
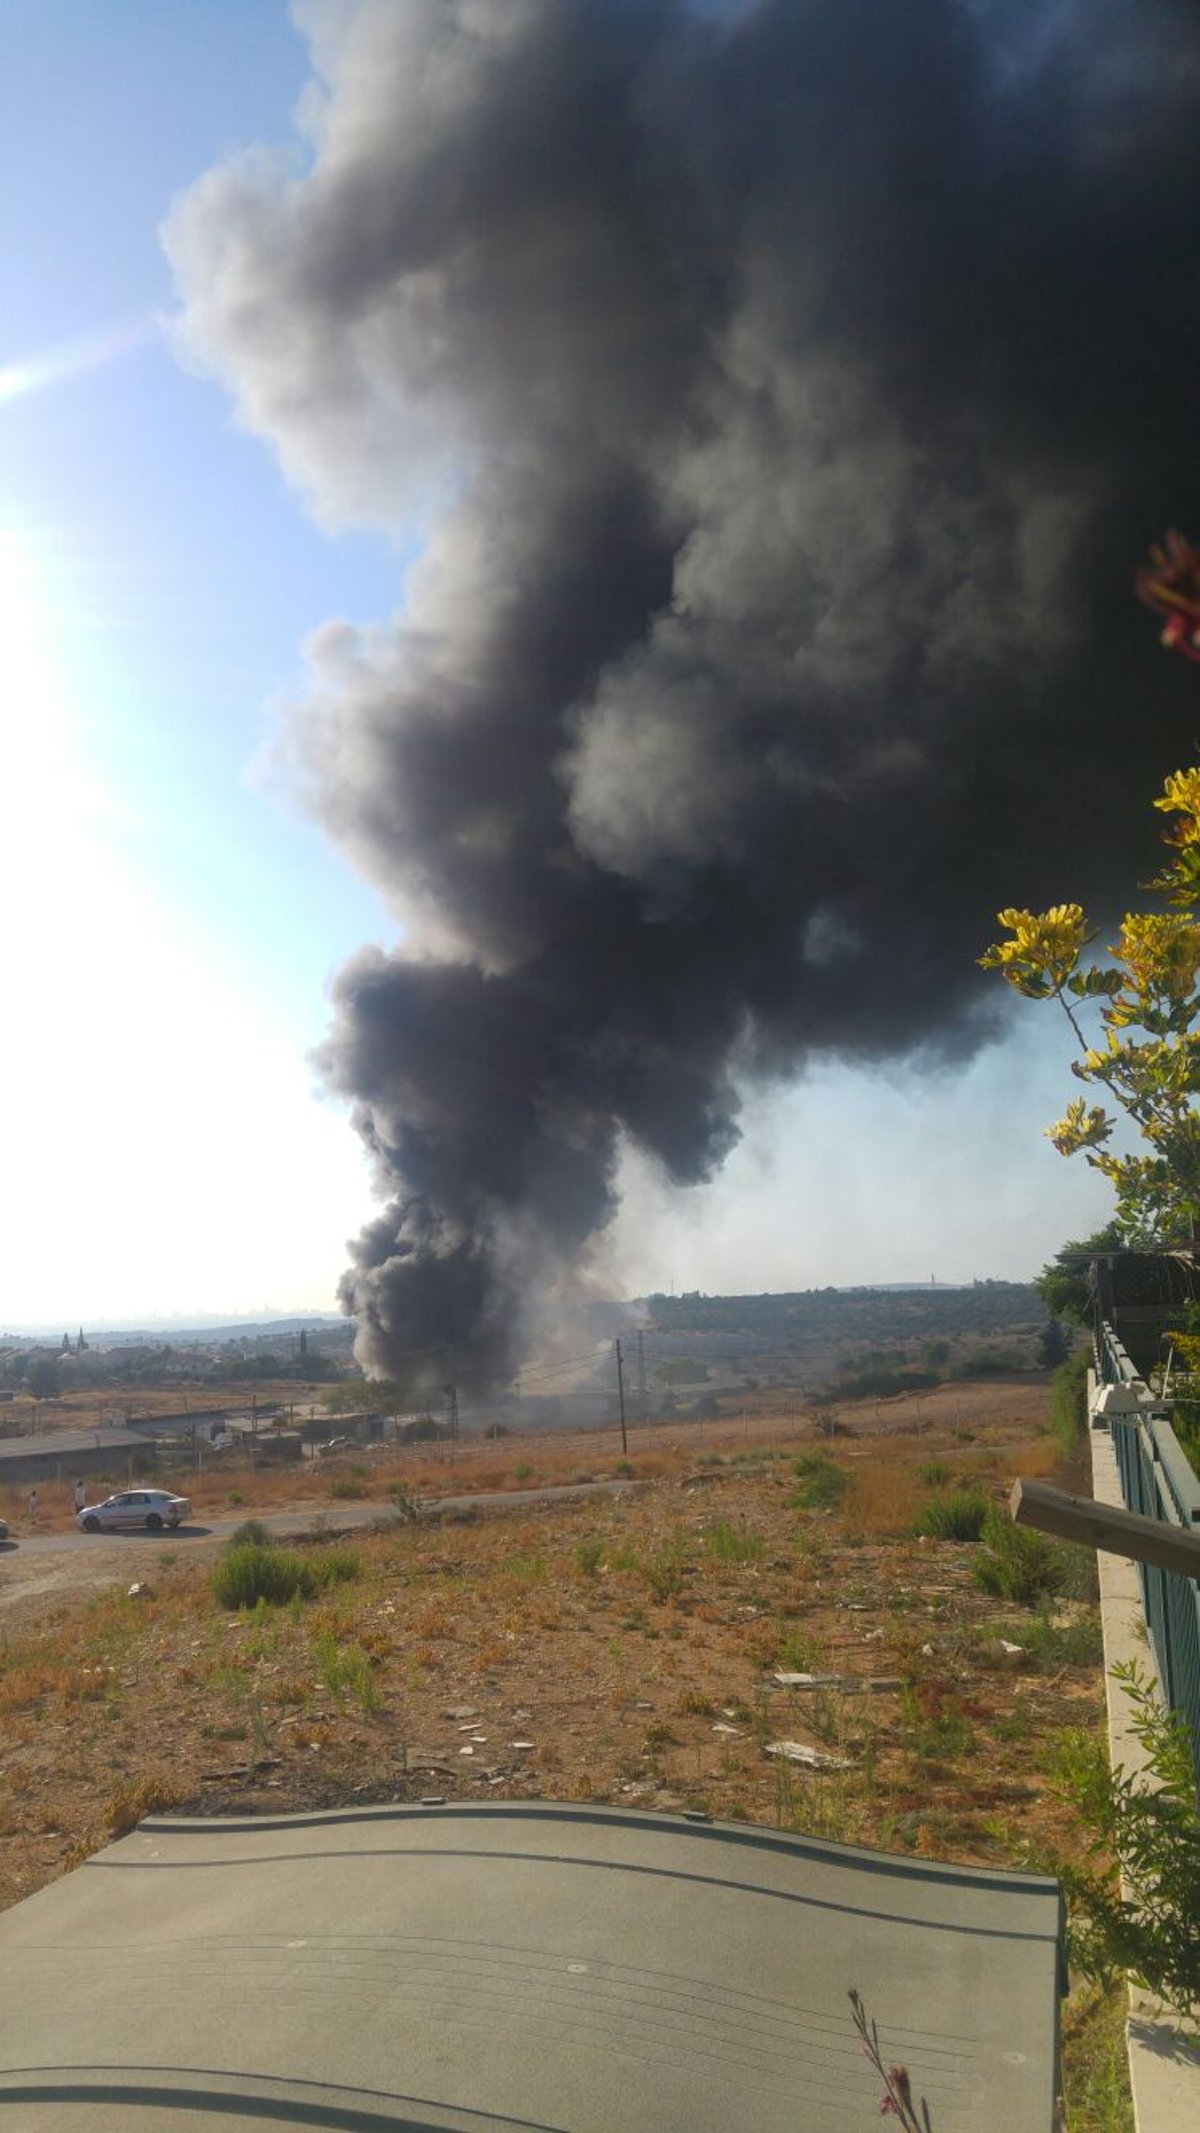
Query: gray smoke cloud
[785, 393]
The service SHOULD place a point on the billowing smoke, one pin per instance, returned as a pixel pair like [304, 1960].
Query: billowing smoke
[785, 392]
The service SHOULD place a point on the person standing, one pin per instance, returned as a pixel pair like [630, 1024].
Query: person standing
[80, 1495]
[33, 1507]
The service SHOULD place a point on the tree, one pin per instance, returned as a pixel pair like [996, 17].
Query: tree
[1148, 1059]
[1062, 1284]
[1053, 1347]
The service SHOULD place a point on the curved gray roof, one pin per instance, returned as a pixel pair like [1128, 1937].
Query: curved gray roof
[520, 1965]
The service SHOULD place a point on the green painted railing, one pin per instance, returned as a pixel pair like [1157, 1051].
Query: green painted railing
[1158, 1480]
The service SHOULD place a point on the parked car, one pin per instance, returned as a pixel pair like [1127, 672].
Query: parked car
[151, 1508]
[3, 1531]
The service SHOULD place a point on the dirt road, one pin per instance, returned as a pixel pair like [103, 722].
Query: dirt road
[45, 1564]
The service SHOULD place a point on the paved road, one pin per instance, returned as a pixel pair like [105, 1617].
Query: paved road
[55, 1562]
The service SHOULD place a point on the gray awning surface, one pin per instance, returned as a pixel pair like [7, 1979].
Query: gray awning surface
[511, 1965]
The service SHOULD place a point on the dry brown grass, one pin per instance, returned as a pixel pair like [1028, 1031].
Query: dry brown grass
[616, 1634]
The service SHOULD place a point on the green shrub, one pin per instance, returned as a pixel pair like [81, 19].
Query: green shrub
[1017, 1564]
[731, 1544]
[933, 1473]
[624, 1468]
[1136, 1910]
[822, 1482]
[589, 1554]
[250, 1573]
[522, 1470]
[959, 1515]
[1053, 1644]
[528, 1569]
[1070, 1401]
[252, 1533]
[799, 1653]
[663, 1572]
[345, 1670]
[344, 1489]
[335, 1566]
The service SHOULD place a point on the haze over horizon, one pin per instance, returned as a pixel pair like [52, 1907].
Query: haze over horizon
[708, 448]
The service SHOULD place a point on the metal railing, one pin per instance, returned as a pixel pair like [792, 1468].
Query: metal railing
[1159, 1481]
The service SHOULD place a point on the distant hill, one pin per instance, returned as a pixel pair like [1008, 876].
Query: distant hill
[182, 1333]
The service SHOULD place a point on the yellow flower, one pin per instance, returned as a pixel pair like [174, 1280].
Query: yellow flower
[1161, 952]
[1044, 948]
[1181, 796]
[1081, 1128]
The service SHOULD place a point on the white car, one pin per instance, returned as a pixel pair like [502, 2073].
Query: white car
[151, 1508]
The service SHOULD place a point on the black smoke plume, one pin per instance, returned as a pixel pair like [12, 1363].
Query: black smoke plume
[785, 392]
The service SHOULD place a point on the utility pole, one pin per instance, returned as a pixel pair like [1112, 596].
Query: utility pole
[451, 1391]
[621, 1395]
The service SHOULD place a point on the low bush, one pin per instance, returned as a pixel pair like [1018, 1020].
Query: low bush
[250, 1573]
[1053, 1644]
[933, 1473]
[959, 1515]
[732, 1544]
[335, 1566]
[822, 1482]
[664, 1572]
[252, 1533]
[1070, 1402]
[1133, 1908]
[1017, 1564]
[589, 1554]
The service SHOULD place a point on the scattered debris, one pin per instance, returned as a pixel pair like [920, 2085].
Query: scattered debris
[845, 1684]
[139, 1591]
[795, 1751]
[998, 1652]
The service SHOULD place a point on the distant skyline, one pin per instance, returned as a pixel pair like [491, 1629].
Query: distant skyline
[172, 920]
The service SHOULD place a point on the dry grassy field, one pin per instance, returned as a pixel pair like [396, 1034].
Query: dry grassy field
[622, 1649]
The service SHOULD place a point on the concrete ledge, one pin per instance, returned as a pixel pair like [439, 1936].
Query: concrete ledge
[1164, 2060]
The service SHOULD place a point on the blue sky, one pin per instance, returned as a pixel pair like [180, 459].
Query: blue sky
[170, 921]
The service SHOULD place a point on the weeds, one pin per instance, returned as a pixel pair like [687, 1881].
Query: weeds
[1052, 1644]
[1095, 2061]
[245, 1575]
[732, 1544]
[589, 1554]
[128, 1805]
[252, 1533]
[345, 1670]
[822, 1482]
[1070, 1402]
[664, 1571]
[959, 1515]
[1017, 1564]
[933, 1472]
[798, 1653]
[250, 1574]
[1143, 1830]
[898, 2097]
